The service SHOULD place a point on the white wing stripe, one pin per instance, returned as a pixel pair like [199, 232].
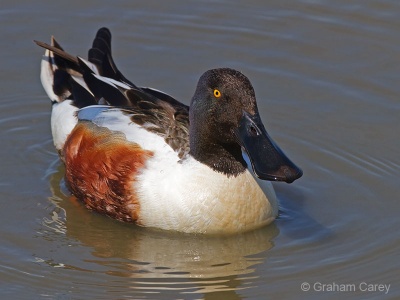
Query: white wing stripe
[113, 82]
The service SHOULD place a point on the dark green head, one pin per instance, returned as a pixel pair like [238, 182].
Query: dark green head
[224, 120]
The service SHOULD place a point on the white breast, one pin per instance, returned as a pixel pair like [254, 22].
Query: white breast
[191, 197]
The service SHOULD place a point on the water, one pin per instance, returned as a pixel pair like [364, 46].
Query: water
[326, 77]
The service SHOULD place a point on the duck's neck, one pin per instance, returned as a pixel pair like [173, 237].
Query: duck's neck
[225, 158]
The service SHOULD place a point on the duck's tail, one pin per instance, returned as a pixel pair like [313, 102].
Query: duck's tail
[65, 76]
[73, 83]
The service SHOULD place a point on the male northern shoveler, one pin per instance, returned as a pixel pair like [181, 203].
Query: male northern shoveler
[138, 155]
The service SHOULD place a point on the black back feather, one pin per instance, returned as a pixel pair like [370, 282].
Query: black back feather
[100, 55]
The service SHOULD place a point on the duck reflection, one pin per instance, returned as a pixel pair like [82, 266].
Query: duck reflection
[159, 261]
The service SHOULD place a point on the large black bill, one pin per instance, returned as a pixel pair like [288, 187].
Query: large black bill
[267, 159]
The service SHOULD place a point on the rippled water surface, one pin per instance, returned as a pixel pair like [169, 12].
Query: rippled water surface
[326, 75]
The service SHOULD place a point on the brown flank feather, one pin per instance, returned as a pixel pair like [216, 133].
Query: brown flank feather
[101, 167]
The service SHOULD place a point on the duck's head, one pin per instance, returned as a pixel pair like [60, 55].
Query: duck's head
[224, 120]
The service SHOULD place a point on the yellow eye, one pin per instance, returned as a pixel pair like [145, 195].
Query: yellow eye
[217, 93]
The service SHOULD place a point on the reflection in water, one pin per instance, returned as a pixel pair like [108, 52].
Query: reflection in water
[158, 261]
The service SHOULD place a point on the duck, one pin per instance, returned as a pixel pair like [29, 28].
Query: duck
[138, 155]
